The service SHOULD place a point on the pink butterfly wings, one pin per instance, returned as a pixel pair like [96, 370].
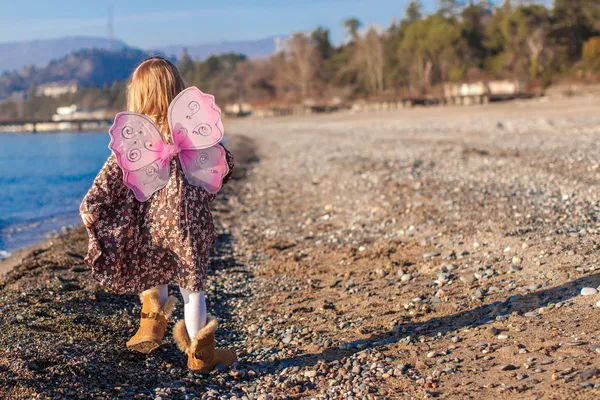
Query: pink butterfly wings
[137, 145]
[196, 126]
[195, 120]
[205, 167]
[196, 129]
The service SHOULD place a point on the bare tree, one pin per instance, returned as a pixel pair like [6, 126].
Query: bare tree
[298, 66]
[536, 43]
[260, 80]
[369, 58]
[537, 40]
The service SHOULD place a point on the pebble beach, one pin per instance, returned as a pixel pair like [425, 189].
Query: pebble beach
[421, 253]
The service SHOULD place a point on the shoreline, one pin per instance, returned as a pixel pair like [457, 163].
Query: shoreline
[343, 112]
[16, 257]
[31, 235]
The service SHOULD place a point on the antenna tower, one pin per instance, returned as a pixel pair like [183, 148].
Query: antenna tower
[109, 27]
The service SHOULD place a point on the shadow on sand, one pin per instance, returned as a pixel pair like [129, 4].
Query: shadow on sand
[484, 314]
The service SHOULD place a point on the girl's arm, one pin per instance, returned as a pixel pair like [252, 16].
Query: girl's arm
[230, 162]
[107, 187]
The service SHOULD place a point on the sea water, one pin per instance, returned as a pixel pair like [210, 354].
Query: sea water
[43, 178]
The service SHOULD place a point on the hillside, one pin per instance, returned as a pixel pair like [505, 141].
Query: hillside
[92, 67]
[16, 55]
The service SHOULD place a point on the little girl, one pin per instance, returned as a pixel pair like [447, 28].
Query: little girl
[141, 247]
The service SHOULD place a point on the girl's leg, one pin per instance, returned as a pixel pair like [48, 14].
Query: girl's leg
[194, 311]
[157, 307]
[163, 292]
[195, 335]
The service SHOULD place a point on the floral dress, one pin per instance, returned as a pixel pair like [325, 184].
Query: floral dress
[167, 239]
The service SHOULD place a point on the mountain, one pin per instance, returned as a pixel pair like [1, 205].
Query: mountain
[92, 67]
[250, 48]
[15, 55]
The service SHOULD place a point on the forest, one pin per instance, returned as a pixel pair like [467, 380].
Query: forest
[460, 42]
[414, 56]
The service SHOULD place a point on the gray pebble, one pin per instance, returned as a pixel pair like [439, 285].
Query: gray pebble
[431, 254]
[588, 291]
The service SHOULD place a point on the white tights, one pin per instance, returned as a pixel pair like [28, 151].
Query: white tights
[194, 308]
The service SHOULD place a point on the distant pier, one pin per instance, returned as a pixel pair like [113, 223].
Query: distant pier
[49, 125]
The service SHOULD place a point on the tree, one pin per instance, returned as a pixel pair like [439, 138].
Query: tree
[186, 65]
[591, 54]
[533, 30]
[473, 22]
[298, 66]
[320, 39]
[435, 47]
[342, 73]
[352, 26]
[413, 11]
[396, 70]
[500, 42]
[519, 41]
[575, 21]
[369, 61]
[217, 74]
[450, 8]
[259, 80]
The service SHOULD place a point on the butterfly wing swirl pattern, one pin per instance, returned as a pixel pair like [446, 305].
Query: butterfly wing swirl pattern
[205, 167]
[195, 120]
[137, 145]
[197, 129]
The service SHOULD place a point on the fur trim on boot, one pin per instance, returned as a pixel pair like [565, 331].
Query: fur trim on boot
[151, 303]
[201, 351]
[153, 322]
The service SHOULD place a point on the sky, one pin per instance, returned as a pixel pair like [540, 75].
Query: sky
[150, 23]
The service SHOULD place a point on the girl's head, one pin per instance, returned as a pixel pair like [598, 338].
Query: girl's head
[152, 87]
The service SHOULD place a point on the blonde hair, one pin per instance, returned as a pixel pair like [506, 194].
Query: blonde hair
[151, 88]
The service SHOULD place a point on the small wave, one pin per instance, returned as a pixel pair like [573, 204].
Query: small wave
[4, 254]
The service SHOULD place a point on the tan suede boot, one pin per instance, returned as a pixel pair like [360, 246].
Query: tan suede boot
[201, 352]
[153, 322]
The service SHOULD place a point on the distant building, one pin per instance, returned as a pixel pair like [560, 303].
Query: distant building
[482, 92]
[238, 109]
[505, 87]
[56, 89]
[501, 88]
[16, 97]
[68, 110]
[73, 113]
[279, 44]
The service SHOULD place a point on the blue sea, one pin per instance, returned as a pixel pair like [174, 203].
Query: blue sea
[43, 178]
